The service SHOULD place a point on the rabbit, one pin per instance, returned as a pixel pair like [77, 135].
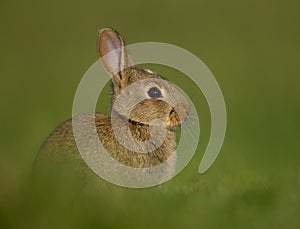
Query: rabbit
[154, 91]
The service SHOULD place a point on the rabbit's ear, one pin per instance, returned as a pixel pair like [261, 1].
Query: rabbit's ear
[118, 60]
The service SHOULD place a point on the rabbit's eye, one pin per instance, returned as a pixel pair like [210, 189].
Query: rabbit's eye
[154, 93]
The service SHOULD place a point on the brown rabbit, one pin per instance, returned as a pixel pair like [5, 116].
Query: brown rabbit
[153, 91]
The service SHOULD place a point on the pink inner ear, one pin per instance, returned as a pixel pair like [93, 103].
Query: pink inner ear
[115, 56]
[113, 43]
[109, 41]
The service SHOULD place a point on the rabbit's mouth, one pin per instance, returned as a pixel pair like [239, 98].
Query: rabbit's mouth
[174, 120]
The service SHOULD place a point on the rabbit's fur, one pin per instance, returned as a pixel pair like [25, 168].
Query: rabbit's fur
[61, 145]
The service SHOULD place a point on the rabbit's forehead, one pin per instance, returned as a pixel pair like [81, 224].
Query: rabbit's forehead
[153, 82]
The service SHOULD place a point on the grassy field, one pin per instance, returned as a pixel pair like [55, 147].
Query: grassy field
[252, 48]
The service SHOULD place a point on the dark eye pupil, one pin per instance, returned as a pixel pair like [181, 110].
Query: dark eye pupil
[154, 93]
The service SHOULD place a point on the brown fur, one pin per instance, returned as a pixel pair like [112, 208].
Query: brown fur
[61, 145]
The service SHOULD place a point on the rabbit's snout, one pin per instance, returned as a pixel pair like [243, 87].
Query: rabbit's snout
[178, 115]
[185, 110]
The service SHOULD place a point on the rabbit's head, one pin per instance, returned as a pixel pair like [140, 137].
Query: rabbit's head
[140, 95]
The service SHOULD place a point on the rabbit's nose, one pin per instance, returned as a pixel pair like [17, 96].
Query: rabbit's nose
[183, 111]
[186, 108]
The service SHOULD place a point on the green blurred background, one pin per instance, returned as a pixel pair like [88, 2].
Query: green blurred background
[252, 48]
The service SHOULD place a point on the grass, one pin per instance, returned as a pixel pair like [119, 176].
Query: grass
[240, 196]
